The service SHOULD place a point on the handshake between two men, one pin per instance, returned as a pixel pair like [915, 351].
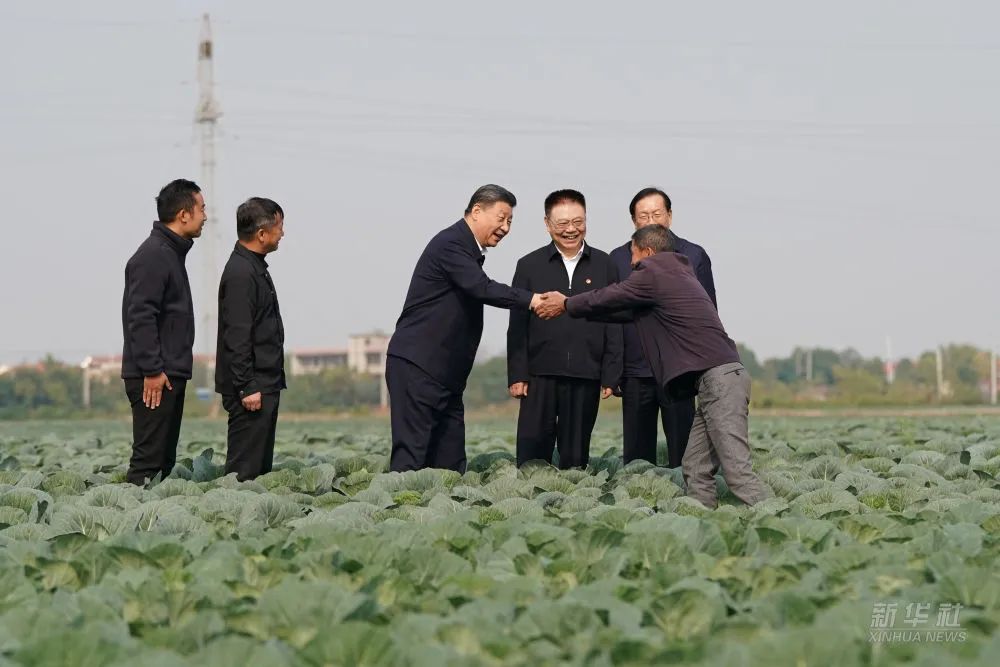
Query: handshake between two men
[548, 306]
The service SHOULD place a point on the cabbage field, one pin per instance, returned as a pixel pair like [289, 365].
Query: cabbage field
[879, 547]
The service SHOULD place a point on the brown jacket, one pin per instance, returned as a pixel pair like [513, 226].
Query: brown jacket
[679, 328]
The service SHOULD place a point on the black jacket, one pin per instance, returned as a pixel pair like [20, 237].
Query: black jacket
[250, 354]
[563, 346]
[679, 329]
[635, 364]
[157, 313]
[442, 319]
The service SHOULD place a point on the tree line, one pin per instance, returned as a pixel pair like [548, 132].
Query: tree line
[813, 377]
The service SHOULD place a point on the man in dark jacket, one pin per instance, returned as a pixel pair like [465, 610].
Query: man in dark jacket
[689, 353]
[158, 328]
[434, 346]
[561, 368]
[642, 398]
[250, 356]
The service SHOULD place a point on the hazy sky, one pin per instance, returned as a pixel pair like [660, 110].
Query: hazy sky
[834, 159]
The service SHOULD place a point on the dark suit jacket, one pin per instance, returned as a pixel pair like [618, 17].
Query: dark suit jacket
[635, 364]
[679, 329]
[250, 353]
[442, 319]
[563, 347]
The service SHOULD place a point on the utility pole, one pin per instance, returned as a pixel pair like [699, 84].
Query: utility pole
[890, 365]
[993, 377]
[85, 367]
[809, 365]
[940, 372]
[206, 114]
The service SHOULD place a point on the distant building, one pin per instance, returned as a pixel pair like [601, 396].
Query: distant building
[312, 361]
[109, 367]
[365, 354]
[103, 368]
[34, 366]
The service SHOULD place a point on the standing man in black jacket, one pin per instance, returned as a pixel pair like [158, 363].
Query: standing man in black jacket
[158, 328]
[434, 346]
[250, 356]
[561, 368]
[642, 397]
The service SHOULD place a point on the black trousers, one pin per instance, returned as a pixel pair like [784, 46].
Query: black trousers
[428, 420]
[557, 410]
[642, 399]
[154, 432]
[250, 441]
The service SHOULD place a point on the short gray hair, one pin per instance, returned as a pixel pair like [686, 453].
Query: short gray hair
[487, 195]
[652, 237]
[255, 214]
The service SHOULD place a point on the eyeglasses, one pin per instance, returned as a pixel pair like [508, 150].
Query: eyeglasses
[655, 216]
[563, 225]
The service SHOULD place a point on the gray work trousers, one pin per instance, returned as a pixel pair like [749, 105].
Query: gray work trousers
[720, 438]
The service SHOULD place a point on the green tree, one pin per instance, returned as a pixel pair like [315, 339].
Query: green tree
[858, 386]
[487, 383]
[750, 362]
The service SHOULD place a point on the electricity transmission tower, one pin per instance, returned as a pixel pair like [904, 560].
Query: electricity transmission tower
[206, 115]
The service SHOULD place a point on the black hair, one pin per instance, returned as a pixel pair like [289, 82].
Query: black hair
[176, 196]
[487, 195]
[273, 207]
[560, 196]
[642, 194]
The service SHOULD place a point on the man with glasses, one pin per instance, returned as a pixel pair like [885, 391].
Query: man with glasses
[642, 397]
[560, 369]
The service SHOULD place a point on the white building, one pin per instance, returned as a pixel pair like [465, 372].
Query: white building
[103, 368]
[312, 361]
[365, 354]
[109, 367]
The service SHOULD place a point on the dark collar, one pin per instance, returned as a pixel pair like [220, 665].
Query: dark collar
[676, 242]
[180, 244]
[468, 238]
[554, 250]
[256, 259]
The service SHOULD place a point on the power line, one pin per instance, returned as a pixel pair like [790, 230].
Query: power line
[51, 21]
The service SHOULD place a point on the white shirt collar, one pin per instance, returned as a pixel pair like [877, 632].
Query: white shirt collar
[571, 262]
[576, 257]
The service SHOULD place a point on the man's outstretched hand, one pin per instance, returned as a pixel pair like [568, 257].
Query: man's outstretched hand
[553, 304]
